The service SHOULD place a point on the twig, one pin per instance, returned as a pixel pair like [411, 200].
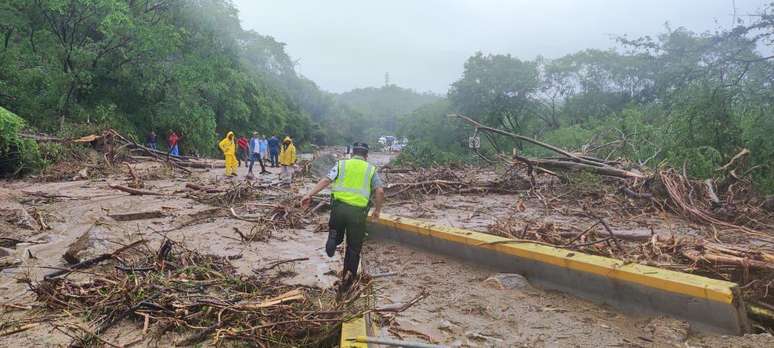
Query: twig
[93, 261]
[277, 263]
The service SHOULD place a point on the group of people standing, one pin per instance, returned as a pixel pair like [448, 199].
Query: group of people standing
[356, 187]
[172, 141]
[258, 148]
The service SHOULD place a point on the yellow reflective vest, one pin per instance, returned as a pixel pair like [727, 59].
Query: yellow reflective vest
[353, 182]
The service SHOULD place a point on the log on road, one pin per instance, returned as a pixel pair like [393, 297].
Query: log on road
[137, 216]
[567, 165]
[135, 192]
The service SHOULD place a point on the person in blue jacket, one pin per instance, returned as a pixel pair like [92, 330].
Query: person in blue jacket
[274, 150]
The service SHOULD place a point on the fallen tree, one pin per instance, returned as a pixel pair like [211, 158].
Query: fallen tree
[665, 188]
[569, 160]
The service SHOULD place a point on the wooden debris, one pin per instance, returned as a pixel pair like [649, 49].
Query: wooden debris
[136, 181]
[134, 192]
[277, 263]
[138, 215]
[201, 296]
[290, 296]
[73, 253]
[93, 261]
[202, 188]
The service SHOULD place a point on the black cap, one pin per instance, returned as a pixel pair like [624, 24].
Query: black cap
[362, 146]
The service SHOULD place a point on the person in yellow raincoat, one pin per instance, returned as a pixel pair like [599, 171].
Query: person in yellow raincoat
[229, 151]
[287, 159]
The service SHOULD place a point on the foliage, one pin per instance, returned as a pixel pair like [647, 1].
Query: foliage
[498, 90]
[570, 137]
[426, 154]
[138, 66]
[17, 155]
[686, 99]
[382, 108]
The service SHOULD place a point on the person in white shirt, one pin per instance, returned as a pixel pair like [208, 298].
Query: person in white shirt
[255, 153]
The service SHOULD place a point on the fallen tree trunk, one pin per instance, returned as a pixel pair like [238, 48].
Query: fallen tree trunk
[135, 192]
[606, 170]
[137, 216]
[697, 256]
[573, 162]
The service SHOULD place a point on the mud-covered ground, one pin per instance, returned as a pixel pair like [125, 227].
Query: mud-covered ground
[461, 308]
[85, 206]
[467, 306]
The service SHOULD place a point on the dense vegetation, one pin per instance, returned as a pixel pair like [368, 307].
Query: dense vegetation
[684, 99]
[382, 107]
[17, 155]
[140, 65]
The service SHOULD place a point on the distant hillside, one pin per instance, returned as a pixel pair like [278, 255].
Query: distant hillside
[382, 107]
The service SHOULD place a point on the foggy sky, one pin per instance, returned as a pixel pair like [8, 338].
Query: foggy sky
[423, 44]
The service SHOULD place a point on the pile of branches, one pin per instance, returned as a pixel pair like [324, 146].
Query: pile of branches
[185, 291]
[236, 192]
[283, 215]
[753, 268]
[736, 209]
[446, 180]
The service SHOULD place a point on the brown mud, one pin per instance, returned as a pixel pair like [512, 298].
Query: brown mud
[461, 307]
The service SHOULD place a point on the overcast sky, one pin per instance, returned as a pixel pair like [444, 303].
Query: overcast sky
[423, 44]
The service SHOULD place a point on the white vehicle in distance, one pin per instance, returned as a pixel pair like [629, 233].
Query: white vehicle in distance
[398, 145]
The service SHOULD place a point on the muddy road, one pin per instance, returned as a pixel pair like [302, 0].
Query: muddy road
[462, 306]
[471, 306]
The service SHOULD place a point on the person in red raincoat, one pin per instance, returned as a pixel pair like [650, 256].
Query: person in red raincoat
[242, 149]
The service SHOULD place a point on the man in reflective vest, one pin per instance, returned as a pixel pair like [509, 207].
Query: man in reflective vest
[356, 185]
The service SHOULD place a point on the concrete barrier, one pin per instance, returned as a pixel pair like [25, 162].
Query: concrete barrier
[360, 325]
[353, 328]
[708, 304]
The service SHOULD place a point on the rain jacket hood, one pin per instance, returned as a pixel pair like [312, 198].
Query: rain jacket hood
[227, 144]
[287, 155]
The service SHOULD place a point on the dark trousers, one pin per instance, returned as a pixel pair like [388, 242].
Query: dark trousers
[241, 156]
[274, 156]
[260, 161]
[348, 221]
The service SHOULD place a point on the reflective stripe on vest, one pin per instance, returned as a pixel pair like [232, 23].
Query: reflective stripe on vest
[353, 182]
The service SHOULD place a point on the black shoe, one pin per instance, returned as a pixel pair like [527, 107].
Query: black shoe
[265, 172]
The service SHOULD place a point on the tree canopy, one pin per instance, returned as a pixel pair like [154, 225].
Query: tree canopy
[161, 65]
[682, 98]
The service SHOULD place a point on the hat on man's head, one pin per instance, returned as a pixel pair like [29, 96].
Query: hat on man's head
[255, 133]
[360, 146]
